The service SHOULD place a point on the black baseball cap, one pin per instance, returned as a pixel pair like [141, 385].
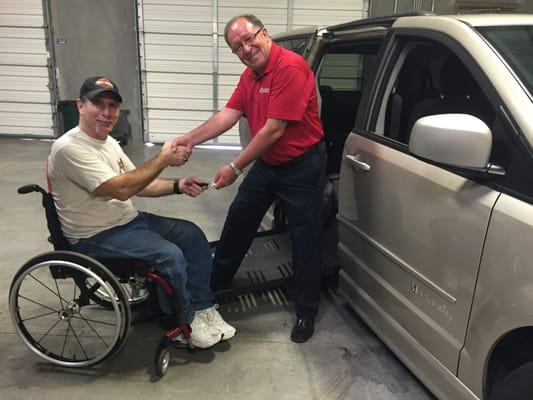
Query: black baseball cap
[95, 85]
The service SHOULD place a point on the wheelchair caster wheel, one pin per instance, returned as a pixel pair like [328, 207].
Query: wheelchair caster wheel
[162, 356]
[162, 362]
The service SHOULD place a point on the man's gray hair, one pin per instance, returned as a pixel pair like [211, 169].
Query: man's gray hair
[248, 17]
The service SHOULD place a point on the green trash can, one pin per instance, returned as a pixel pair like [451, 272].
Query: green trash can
[68, 115]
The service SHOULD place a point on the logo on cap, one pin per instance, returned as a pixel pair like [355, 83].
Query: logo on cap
[104, 83]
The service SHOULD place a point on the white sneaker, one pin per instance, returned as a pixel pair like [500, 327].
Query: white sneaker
[213, 318]
[202, 334]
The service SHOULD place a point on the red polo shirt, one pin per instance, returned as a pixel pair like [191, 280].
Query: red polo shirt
[285, 90]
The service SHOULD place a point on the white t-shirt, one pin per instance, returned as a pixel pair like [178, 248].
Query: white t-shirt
[77, 165]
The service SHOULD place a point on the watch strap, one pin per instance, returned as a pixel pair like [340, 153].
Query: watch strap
[176, 186]
[235, 169]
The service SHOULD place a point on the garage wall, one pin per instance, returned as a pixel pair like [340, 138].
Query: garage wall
[98, 37]
[187, 70]
[26, 106]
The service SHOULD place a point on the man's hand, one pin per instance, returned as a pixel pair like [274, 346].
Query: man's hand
[178, 157]
[224, 177]
[192, 186]
[180, 141]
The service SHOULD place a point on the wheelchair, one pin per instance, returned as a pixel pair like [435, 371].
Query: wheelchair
[76, 311]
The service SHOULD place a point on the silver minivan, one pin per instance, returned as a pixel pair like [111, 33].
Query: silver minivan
[429, 125]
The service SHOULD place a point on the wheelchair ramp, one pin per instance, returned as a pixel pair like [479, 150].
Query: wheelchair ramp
[266, 272]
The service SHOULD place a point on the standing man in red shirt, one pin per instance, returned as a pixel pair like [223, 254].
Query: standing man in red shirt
[277, 94]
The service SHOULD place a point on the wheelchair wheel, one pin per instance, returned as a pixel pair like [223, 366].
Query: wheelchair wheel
[52, 310]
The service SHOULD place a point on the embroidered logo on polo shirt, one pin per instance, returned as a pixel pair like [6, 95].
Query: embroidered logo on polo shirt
[264, 90]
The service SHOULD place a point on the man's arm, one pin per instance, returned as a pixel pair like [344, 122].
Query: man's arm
[128, 184]
[157, 188]
[213, 127]
[190, 186]
[261, 142]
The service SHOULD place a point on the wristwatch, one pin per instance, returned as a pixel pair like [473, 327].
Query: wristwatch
[235, 169]
[176, 186]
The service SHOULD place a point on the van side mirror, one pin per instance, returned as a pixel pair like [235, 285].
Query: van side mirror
[459, 140]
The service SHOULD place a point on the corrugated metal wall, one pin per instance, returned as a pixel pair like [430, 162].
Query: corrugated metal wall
[25, 98]
[176, 50]
[187, 70]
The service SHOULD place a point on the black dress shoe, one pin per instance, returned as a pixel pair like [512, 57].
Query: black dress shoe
[303, 330]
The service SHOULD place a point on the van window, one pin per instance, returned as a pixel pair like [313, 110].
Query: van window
[342, 71]
[515, 44]
[432, 80]
[297, 44]
[429, 78]
[341, 76]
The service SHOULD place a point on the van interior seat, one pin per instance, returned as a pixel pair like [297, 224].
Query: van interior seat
[459, 93]
[339, 110]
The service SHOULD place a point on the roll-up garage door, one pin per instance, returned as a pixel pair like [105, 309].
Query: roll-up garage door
[187, 70]
[25, 97]
[176, 50]
[320, 12]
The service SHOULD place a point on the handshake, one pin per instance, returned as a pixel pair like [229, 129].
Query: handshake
[177, 152]
[175, 155]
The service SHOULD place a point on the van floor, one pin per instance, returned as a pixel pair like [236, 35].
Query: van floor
[343, 360]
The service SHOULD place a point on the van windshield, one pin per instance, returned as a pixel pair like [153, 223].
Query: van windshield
[515, 44]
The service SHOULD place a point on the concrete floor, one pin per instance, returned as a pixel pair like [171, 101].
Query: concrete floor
[344, 360]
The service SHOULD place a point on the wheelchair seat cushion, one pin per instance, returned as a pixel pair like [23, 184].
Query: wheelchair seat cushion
[126, 267]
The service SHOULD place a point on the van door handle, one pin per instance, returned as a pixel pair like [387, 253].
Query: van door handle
[357, 163]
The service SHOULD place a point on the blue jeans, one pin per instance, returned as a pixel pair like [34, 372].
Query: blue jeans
[177, 249]
[299, 186]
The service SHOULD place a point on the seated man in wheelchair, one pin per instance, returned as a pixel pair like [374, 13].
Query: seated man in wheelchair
[92, 180]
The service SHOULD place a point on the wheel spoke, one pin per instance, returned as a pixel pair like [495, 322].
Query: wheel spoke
[49, 330]
[38, 316]
[78, 340]
[65, 342]
[39, 304]
[96, 333]
[47, 288]
[92, 320]
[59, 294]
